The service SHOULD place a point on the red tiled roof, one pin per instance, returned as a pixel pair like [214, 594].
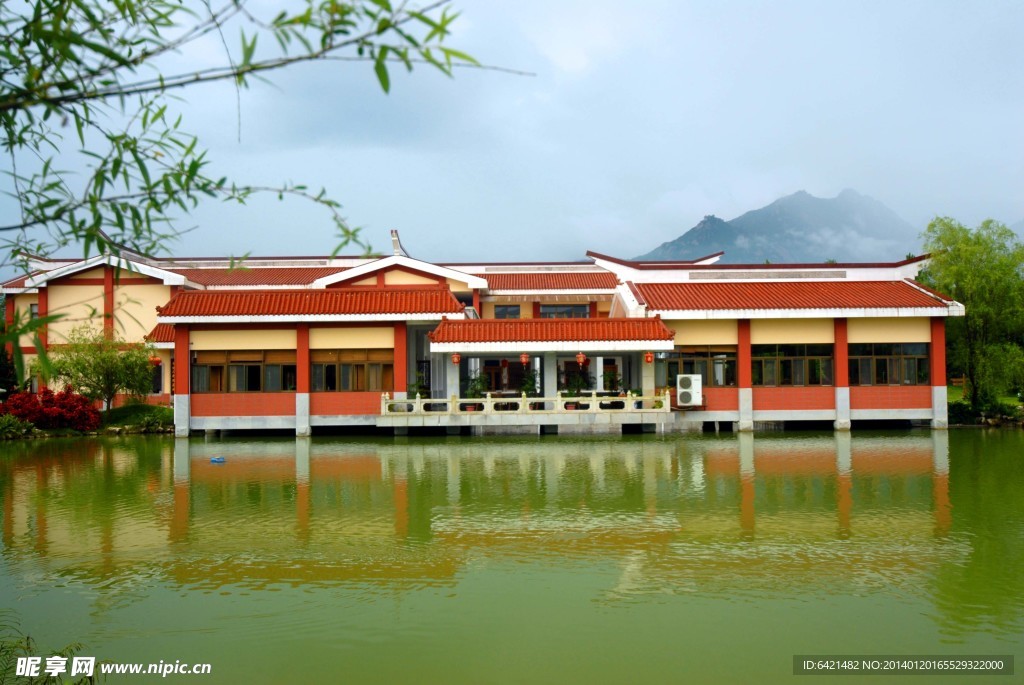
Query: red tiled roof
[341, 301]
[587, 280]
[18, 282]
[258, 276]
[549, 330]
[786, 295]
[162, 333]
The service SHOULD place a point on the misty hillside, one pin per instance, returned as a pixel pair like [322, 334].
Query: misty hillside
[800, 228]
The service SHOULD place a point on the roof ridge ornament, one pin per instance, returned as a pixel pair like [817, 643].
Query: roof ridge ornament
[396, 244]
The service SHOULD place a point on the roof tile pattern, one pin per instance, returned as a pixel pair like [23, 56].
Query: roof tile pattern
[587, 280]
[549, 330]
[258, 276]
[786, 295]
[162, 333]
[342, 301]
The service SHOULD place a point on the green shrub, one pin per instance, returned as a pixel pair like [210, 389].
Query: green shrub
[960, 413]
[11, 427]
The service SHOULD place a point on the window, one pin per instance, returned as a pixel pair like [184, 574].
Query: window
[352, 370]
[791, 364]
[244, 371]
[564, 311]
[506, 311]
[33, 311]
[716, 365]
[889, 364]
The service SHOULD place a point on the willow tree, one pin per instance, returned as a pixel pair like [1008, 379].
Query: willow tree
[982, 268]
[87, 85]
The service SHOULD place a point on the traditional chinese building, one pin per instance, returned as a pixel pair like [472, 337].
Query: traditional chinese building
[395, 342]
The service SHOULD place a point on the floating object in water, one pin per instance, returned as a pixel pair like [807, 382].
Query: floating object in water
[217, 460]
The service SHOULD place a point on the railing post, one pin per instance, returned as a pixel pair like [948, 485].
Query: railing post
[593, 401]
[384, 403]
[488, 404]
[522, 404]
[453, 404]
[668, 402]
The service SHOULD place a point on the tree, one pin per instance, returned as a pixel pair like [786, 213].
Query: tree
[100, 368]
[982, 268]
[85, 85]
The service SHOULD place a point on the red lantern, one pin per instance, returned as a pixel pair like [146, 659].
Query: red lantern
[155, 361]
[504, 363]
[581, 359]
[524, 359]
[649, 357]
[456, 358]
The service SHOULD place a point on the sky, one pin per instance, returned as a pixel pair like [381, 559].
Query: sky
[637, 119]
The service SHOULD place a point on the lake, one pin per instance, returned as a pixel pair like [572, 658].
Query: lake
[647, 558]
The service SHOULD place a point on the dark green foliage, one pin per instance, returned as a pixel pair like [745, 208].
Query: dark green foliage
[145, 416]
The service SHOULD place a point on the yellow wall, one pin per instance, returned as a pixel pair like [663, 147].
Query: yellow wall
[21, 303]
[458, 286]
[888, 330]
[712, 332]
[776, 331]
[351, 338]
[604, 307]
[79, 305]
[396, 277]
[372, 280]
[91, 273]
[135, 309]
[243, 340]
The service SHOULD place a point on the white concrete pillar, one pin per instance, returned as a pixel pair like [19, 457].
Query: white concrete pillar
[599, 376]
[842, 422]
[451, 379]
[746, 422]
[647, 379]
[182, 414]
[550, 376]
[940, 410]
[302, 428]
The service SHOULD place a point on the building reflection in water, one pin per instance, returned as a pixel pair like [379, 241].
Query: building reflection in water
[710, 514]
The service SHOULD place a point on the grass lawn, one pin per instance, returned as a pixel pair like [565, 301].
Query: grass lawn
[134, 414]
[954, 393]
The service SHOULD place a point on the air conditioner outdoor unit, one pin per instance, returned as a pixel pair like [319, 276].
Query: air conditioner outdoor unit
[688, 390]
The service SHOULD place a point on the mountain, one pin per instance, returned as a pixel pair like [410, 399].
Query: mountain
[800, 228]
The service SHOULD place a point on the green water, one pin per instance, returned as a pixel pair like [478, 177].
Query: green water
[554, 560]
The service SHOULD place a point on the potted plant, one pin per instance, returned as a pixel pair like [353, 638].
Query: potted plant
[475, 389]
[528, 387]
[574, 387]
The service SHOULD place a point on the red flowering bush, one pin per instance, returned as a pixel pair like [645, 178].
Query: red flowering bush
[65, 409]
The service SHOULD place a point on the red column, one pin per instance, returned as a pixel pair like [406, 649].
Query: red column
[182, 360]
[108, 302]
[302, 357]
[593, 310]
[743, 375]
[44, 310]
[937, 366]
[9, 320]
[402, 356]
[536, 310]
[841, 355]
[476, 303]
